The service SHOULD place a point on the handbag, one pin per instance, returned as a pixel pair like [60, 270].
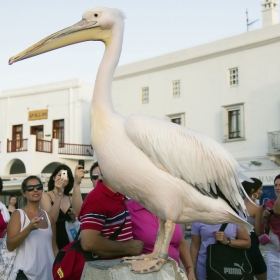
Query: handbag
[264, 239]
[7, 260]
[70, 260]
[228, 263]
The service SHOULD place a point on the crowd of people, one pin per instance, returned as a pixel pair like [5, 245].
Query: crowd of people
[39, 226]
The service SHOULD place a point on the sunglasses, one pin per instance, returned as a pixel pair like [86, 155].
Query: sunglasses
[94, 176]
[31, 188]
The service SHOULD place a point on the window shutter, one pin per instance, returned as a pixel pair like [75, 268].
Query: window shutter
[225, 123]
[242, 128]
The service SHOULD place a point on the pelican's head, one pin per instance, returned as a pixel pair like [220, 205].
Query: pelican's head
[96, 25]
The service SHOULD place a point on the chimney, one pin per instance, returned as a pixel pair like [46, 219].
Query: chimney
[270, 13]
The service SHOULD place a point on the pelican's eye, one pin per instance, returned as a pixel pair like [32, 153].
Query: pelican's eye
[95, 15]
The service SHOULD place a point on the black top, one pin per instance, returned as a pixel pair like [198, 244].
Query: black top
[61, 234]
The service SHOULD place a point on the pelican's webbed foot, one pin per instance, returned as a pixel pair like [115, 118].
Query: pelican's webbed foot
[146, 263]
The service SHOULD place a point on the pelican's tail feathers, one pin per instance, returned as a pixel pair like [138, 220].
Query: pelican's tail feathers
[243, 177]
[244, 168]
[234, 219]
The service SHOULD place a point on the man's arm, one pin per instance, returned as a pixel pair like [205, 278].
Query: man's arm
[93, 241]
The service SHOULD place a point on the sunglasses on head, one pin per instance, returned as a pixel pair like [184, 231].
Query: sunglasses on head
[31, 188]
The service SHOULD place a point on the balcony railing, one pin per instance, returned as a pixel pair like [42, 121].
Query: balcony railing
[43, 146]
[16, 145]
[75, 149]
[274, 142]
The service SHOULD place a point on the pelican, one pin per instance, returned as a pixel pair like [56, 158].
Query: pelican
[178, 174]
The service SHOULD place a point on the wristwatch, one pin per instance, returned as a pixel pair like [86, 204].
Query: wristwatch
[228, 242]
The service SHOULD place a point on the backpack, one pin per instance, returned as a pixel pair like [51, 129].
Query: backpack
[70, 260]
[227, 263]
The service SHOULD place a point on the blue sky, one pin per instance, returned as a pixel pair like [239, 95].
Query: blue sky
[152, 28]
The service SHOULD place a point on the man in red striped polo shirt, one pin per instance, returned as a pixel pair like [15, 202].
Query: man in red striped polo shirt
[103, 212]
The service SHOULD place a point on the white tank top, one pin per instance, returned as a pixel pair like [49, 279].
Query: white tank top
[35, 254]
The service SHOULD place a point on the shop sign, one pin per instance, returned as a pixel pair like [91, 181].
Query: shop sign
[37, 115]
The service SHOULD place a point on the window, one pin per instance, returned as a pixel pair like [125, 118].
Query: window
[58, 132]
[177, 118]
[17, 142]
[233, 122]
[145, 95]
[233, 77]
[176, 88]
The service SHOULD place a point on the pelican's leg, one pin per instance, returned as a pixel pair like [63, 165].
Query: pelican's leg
[154, 261]
[157, 246]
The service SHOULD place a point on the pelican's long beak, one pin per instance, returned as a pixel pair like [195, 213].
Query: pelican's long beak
[79, 32]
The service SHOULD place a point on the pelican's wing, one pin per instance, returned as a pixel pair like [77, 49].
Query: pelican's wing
[188, 155]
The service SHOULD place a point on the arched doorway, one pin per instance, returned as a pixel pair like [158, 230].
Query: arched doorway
[17, 167]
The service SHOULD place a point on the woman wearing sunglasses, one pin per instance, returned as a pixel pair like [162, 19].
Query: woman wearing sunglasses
[31, 231]
[58, 202]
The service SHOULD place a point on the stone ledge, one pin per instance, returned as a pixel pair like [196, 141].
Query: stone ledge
[114, 270]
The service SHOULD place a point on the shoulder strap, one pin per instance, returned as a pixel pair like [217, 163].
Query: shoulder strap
[223, 227]
[50, 197]
[22, 218]
[118, 231]
[113, 236]
[47, 218]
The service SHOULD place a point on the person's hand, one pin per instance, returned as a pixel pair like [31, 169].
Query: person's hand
[266, 215]
[190, 273]
[134, 247]
[34, 223]
[59, 183]
[79, 174]
[220, 236]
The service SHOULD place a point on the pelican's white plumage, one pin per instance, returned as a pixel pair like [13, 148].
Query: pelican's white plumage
[176, 173]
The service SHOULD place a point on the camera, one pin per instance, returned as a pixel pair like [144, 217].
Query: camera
[81, 162]
[64, 174]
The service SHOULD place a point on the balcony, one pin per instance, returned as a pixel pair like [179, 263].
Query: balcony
[43, 146]
[75, 149]
[47, 146]
[16, 145]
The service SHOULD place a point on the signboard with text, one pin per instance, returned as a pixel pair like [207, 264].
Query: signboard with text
[38, 115]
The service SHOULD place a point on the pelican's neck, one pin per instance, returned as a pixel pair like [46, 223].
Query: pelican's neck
[102, 90]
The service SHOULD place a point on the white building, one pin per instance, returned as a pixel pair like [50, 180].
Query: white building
[42, 126]
[228, 89]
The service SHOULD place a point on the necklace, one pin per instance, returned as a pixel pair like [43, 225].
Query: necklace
[39, 212]
[60, 195]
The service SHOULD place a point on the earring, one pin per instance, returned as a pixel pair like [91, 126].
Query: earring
[256, 196]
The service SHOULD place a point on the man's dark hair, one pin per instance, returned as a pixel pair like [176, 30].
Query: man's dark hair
[94, 165]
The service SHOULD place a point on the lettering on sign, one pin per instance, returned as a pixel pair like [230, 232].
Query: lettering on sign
[267, 179]
[38, 115]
